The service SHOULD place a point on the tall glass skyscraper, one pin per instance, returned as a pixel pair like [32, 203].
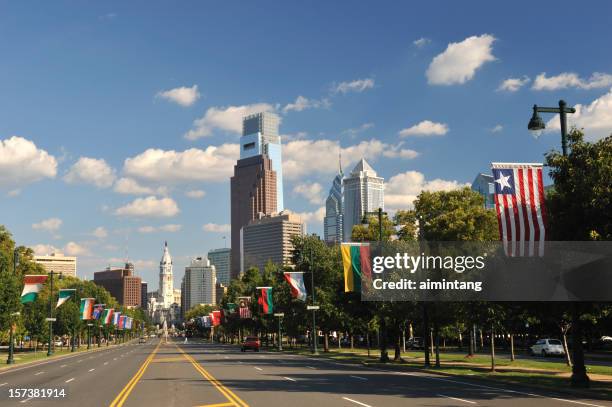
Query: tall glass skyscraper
[334, 211]
[364, 191]
[260, 137]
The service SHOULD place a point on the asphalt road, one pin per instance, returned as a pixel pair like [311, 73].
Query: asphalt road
[200, 374]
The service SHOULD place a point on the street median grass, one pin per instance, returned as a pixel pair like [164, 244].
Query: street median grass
[546, 375]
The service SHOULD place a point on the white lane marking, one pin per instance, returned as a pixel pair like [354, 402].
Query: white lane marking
[91, 370]
[356, 402]
[79, 361]
[69, 380]
[240, 361]
[290, 379]
[106, 363]
[261, 356]
[310, 367]
[3, 384]
[26, 400]
[358, 377]
[258, 368]
[36, 374]
[577, 402]
[457, 399]
[114, 358]
[225, 357]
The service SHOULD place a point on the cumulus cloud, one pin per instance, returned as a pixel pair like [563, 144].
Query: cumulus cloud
[313, 217]
[421, 42]
[94, 171]
[171, 228]
[425, 128]
[460, 61]
[195, 194]
[357, 130]
[227, 119]
[358, 86]
[21, 162]
[571, 80]
[513, 84]
[216, 228]
[76, 249]
[215, 163]
[498, 128]
[49, 225]
[100, 232]
[312, 192]
[129, 186]
[44, 249]
[595, 118]
[303, 103]
[183, 95]
[150, 206]
[402, 189]
[299, 155]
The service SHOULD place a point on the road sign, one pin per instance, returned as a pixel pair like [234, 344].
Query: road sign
[279, 314]
[50, 319]
[312, 307]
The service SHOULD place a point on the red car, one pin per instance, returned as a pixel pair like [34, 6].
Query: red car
[250, 342]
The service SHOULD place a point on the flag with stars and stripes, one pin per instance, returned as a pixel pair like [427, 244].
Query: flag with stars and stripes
[521, 212]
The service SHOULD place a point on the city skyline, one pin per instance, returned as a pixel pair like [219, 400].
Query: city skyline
[106, 161]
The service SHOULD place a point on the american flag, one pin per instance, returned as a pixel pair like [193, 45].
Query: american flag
[521, 213]
[244, 307]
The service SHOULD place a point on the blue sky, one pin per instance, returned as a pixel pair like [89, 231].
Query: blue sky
[101, 100]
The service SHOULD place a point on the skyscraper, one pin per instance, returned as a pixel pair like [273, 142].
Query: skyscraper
[220, 258]
[363, 192]
[166, 290]
[199, 283]
[334, 210]
[260, 137]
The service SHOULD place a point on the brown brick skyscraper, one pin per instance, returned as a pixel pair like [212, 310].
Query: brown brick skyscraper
[253, 190]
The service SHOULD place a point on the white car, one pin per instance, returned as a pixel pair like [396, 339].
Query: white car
[546, 347]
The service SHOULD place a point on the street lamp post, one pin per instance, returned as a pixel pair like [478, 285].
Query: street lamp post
[536, 124]
[10, 360]
[89, 325]
[280, 316]
[315, 336]
[51, 319]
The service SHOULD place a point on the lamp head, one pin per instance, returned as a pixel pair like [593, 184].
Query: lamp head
[536, 125]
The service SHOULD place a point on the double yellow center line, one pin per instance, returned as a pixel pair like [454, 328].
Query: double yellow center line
[122, 396]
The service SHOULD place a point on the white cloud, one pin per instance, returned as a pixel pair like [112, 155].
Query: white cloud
[215, 163]
[129, 186]
[49, 225]
[571, 80]
[13, 193]
[358, 85]
[312, 192]
[497, 129]
[94, 171]
[302, 103]
[425, 128]
[75, 249]
[183, 95]
[195, 194]
[595, 118]
[313, 217]
[397, 152]
[44, 249]
[171, 228]
[150, 206]
[356, 130]
[216, 228]
[460, 61]
[299, 155]
[421, 42]
[21, 162]
[402, 189]
[227, 119]
[513, 84]
[100, 232]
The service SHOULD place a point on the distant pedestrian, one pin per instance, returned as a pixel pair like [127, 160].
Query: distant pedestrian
[185, 341]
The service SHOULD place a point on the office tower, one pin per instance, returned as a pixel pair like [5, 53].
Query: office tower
[260, 137]
[220, 258]
[121, 283]
[199, 283]
[166, 293]
[363, 192]
[484, 185]
[253, 191]
[268, 238]
[58, 263]
[334, 210]
[143, 295]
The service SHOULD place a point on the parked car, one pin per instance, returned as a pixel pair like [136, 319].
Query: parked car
[415, 343]
[142, 340]
[547, 347]
[250, 342]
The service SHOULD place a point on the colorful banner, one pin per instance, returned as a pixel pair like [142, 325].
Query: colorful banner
[121, 322]
[232, 308]
[206, 323]
[97, 311]
[116, 316]
[296, 282]
[32, 284]
[87, 308]
[244, 307]
[107, 318]
[356, 263]
[64, 295]
[265, 300]
[128, 322]
[216, 317]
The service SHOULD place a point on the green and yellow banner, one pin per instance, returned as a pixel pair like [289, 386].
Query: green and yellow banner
[357, 264]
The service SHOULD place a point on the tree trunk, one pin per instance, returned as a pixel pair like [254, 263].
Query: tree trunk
[471, 345]
[339, 344]
[437, 336]
[512, 347]
[492, 349]
[352, 341]
[368, 342]
[398, 353]
[568, 358]
[431, 342]
[326, 342]
[384, 355]
[425, 334]
[579, 376]
[481, 340]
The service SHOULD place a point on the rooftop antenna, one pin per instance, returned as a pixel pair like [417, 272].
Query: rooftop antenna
[340, 158]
